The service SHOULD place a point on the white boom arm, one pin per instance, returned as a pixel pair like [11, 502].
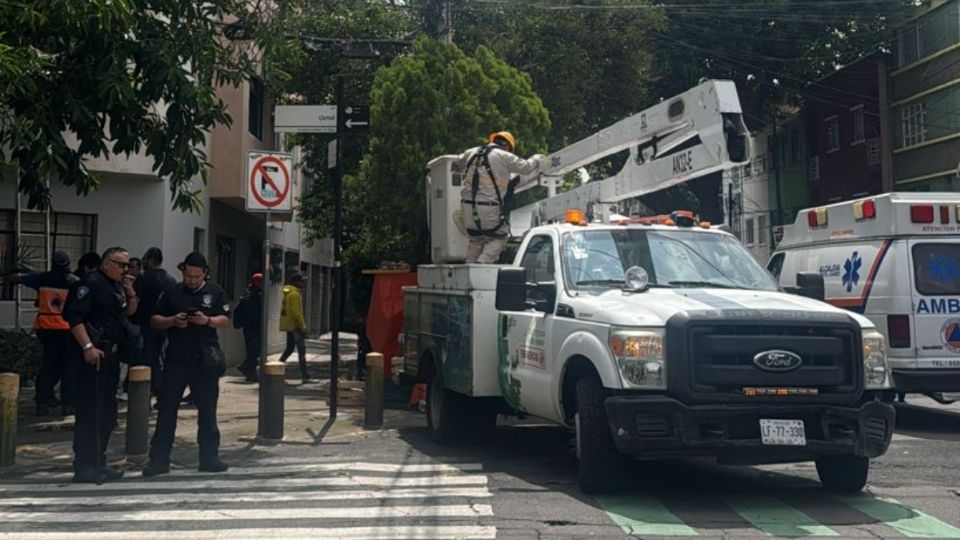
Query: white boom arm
[699, 132]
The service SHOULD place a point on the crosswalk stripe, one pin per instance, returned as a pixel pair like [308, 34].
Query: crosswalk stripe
[412, 532]
[259, 484]
[642, 515]
[257, 497]
[775, 517]
[362, 512]
[909, 521]
[317, 467]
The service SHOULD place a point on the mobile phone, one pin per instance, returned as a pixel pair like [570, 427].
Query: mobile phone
[192, 311]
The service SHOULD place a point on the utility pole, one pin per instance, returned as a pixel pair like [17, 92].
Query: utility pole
[445, 21]
[335, 274]
[776, 169]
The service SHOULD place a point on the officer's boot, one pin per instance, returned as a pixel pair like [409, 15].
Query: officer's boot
[212, 464]
[156, 466]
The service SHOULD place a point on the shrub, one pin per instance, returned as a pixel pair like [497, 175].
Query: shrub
[20, 353]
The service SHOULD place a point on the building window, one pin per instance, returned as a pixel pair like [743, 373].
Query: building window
[761, 230]
[833, 133]
[73, 233]
[748, 232]
[758, 165]
[873, 151]
[794, 146]
[814, 169]
[255, 108]
[200, 240]
[227, 264]
[858, 132]
[913, 124]
[908, 44]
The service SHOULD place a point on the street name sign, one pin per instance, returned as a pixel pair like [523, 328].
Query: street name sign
[305, 119]
[269, 182]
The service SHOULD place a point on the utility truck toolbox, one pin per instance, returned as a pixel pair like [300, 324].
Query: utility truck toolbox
[649, 337]
[894, 258]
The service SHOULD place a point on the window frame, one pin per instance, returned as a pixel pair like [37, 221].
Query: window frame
[762, 230]
[913, 124]
[859, 131]
[256, 107]
[833, 135]
[749, 234]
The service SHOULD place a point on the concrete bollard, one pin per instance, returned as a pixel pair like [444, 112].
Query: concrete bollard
[138, 410]
[9, 391]
[373, 415]
[270, 418]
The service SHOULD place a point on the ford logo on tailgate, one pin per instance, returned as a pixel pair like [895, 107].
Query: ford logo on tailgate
[777, 360]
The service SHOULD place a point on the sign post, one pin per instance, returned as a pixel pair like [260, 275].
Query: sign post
[269, 189]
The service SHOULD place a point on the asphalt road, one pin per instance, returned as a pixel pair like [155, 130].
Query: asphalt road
[519, 484]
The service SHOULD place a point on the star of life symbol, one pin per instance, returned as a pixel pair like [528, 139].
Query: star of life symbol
[851, 271]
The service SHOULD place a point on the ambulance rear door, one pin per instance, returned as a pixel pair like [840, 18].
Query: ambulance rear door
[935, 264]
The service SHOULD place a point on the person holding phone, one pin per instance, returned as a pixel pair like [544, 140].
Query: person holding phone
[191, 313]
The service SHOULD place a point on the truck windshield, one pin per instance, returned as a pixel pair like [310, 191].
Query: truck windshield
[936, 268]
[598, 259]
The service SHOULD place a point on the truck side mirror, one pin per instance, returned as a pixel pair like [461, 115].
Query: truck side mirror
[512, 289]
[544, 296]
[810, 284]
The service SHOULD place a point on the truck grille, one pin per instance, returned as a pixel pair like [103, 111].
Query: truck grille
[722, 357]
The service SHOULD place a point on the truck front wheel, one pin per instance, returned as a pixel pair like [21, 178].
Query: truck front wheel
[599, 460]
[845, 474]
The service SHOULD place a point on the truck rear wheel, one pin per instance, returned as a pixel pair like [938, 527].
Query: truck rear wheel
[844, 474]
[446, 411]
[599, 460]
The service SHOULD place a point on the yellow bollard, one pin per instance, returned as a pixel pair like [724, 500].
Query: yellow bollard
[373, 415]
[138, 410]
[270, 418]
[9, 391]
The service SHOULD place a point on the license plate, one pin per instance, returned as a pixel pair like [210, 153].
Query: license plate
[782, 432]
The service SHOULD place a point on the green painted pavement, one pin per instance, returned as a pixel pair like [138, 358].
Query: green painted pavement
[644, 515]
[775, 517]
[910, 522]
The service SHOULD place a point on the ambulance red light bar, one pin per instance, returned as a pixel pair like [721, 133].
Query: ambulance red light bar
[817, 218]
[921, 213]
[864, 210]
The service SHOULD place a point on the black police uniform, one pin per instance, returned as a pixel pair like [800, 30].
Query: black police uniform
[100, 304]
[182, 368]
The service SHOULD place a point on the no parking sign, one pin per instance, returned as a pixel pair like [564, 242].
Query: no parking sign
[269, 182]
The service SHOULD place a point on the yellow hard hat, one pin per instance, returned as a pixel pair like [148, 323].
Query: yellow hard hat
[505, 135]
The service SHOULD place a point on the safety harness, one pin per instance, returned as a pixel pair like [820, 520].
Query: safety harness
[482, 157]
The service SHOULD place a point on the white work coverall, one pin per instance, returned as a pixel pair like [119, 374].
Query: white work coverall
[486, 248]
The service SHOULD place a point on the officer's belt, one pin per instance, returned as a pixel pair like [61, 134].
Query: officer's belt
[483, 203]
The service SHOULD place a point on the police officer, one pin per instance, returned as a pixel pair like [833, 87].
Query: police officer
[96, 311]
[191, 313]
[486, 176]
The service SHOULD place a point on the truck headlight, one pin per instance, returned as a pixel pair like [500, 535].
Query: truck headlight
[640, 359]
[876, 373]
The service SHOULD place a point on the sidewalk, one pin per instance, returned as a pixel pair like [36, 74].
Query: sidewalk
[45, 443]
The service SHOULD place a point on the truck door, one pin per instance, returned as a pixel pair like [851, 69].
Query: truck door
[525, 338]
[936, 284]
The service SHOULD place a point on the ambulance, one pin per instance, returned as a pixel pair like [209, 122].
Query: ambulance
[894, 258]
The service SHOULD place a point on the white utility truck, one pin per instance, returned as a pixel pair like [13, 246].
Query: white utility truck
[895, 258]
[657, 337]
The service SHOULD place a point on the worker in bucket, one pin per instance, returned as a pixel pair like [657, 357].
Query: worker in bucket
[486, 179]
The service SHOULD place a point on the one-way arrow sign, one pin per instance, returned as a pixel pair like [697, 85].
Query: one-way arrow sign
[355, 119]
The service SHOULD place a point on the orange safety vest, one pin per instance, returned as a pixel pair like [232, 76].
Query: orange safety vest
[50, 309]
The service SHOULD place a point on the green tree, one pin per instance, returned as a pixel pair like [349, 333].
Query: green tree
[88, 78]
[434, 101]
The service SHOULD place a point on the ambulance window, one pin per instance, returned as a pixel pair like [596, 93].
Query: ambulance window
[775, 266]
[538, 260]
[936, 268]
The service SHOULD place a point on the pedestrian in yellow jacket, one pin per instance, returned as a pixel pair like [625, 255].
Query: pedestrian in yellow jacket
[293, 322]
